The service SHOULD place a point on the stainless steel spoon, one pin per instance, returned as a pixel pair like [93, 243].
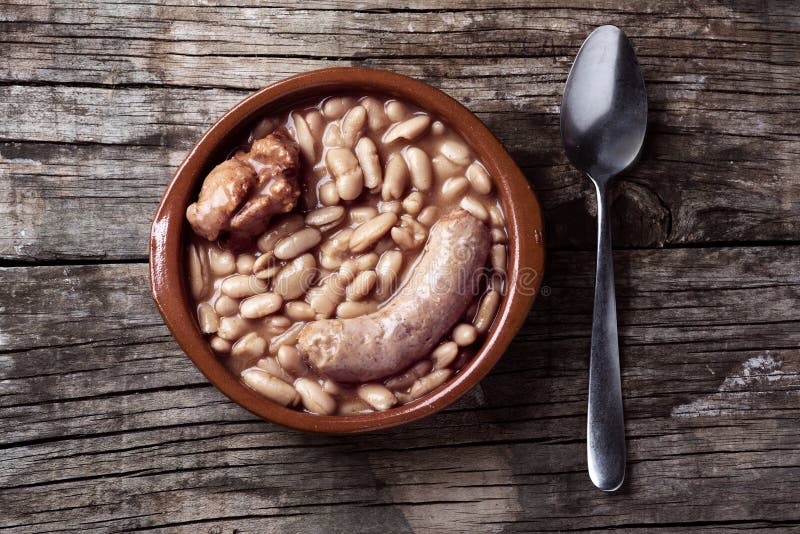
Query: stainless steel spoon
[603, 122]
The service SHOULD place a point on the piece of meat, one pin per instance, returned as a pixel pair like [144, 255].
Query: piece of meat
[241, 194]
[275, 155]
[225, 189]
[442, 285]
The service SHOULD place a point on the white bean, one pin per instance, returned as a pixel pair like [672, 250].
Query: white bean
[475, 207]
[250, 346]
[289, 337]
[325, 216]
[465, 334]
[222, 346]
[395, 178]
[361, 286]
[479, 178]
[362, 214]
[348, 271]
[198, 272]
[496, 216]
[413, 203]
[444, 168]
[330, 294]
[267, 273]
[367, 155]
[291, 360]
[419, 167]
[304, 137]
[368, 233]
[437, 128]
[407, 378]
[428, 216]
[333, 136]
[499, 258]
[365, 262]
[335, 107]
[270, 387]
[232, 328]
[314, 398]
[226, 306]
[350, 309]
[222, 262]
[207, 317]
[352, 123]
[278, 230]
[396, 111]
[295, 278]
[345, 169]
[388, 271]
[410, 234]
[299, 311]
[498, 235]
[271, 365]
[444, 355]
[331, 387]
[403, 238]
[299, 242]
[264, 127]
[241, 285]
[409, 129]
[486, 311]
[428, 383]
[263, 262]
[332, 251]
[244, 263]
[352, 267]
[455, 151]
[394, 206]
[328, 194]
[377, 396]
[376, 116]
[260, 305]
[497, 282]
[454, 188]
[276, 324]
[316, 123]
[353, 406]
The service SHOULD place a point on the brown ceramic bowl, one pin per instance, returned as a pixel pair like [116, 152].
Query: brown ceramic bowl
[169, 233]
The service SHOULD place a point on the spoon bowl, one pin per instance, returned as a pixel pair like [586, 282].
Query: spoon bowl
[604, 110]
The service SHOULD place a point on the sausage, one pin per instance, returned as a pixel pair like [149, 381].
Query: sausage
[407, 327]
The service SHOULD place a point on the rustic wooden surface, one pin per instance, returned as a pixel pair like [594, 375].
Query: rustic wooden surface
[107, 426]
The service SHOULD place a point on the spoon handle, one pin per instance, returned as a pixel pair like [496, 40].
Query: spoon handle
[605, 425]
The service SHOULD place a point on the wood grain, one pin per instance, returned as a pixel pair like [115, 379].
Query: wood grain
[718, 167]
[114, 429]
[107, 426]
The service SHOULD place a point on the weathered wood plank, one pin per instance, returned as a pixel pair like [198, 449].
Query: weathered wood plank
[674, 196]
[721, 80]
[345, 31]
[90, 382]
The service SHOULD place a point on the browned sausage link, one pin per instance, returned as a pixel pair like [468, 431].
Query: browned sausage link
[416, 318]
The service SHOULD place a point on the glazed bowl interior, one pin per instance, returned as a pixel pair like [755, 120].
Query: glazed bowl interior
[170, 233]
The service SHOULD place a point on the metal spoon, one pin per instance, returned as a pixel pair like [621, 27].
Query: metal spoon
[603, 122]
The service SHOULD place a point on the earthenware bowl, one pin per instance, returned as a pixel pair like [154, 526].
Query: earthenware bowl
[169, 233]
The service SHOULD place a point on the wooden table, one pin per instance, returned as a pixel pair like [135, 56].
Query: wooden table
[107, 426]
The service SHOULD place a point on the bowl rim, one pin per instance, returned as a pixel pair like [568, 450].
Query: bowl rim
[526, 251]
